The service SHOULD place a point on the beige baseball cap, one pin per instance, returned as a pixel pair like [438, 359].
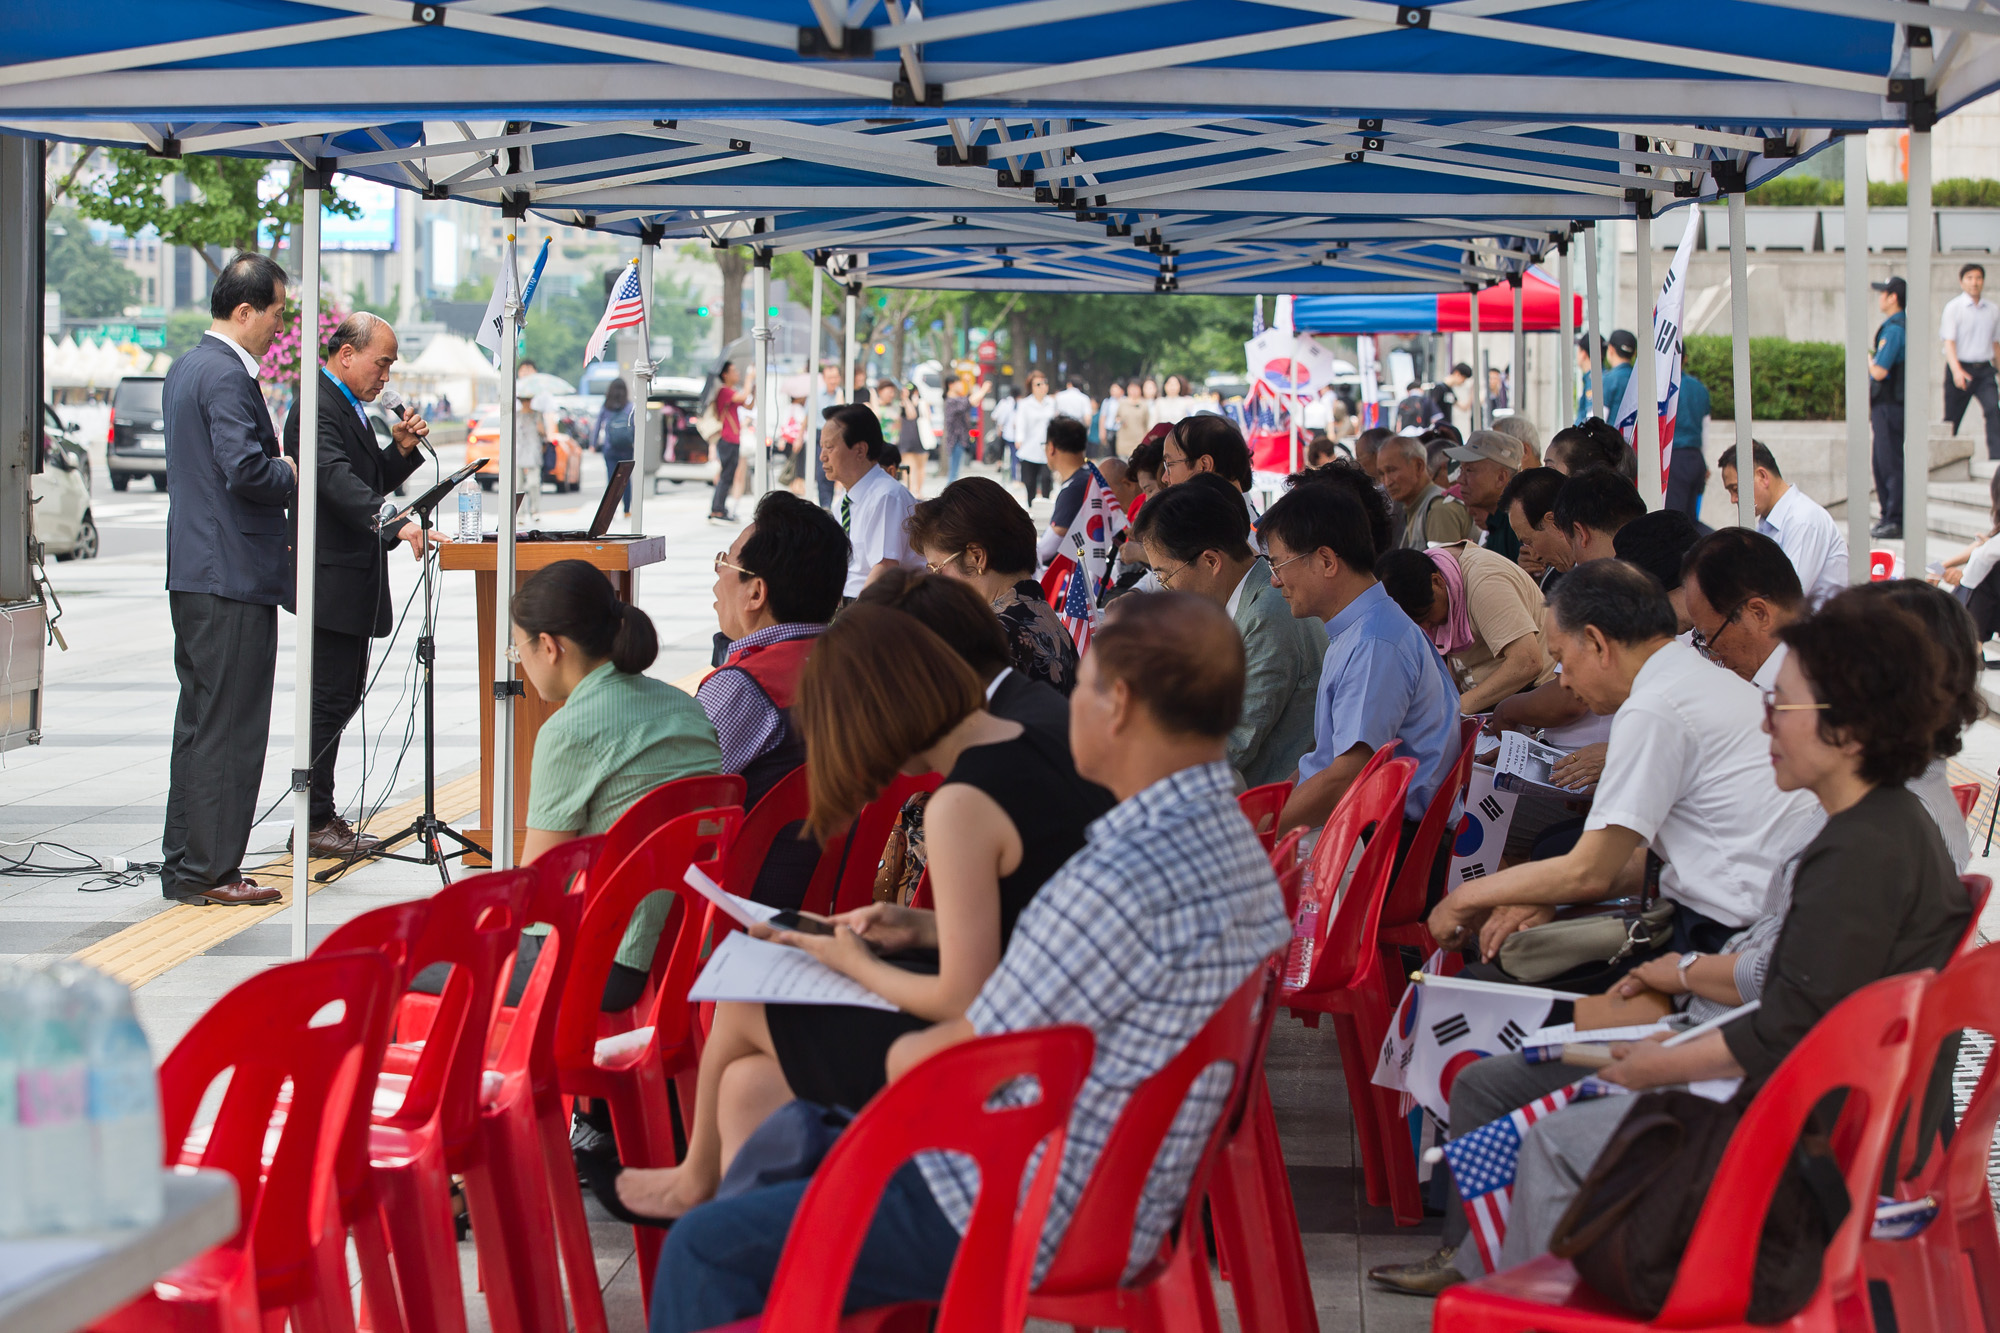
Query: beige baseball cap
[1490, 445]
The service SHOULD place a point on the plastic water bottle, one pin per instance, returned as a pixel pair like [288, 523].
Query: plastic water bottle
[1305, 924]
[60, 1188]
[470, 503]
[13, 1199]
[124, 1102]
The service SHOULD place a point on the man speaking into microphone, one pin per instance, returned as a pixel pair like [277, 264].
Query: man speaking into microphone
[351, 605]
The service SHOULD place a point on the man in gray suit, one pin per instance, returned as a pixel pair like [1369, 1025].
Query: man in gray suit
[229, 568]
[1197, 535]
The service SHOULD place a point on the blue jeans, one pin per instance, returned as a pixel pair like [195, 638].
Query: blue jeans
[959, 453]
[719, 1260]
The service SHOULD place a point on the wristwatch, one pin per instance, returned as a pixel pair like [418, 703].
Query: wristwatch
[1686, 962]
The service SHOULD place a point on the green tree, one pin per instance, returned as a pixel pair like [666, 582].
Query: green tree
[237, 203]
[93, 283]
[184, 329]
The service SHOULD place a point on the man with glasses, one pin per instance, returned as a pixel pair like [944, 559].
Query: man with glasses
[1741, 590]
[1381, 679]
[1208, 443]
[1197, 539]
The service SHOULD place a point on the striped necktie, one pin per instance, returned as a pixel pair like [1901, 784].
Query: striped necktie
[847, 515]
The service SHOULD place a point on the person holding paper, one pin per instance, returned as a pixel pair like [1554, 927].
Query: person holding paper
[883, 695]
[1875, 894]
[1146, 931]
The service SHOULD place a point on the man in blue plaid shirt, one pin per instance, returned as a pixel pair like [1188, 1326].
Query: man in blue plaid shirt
[1140, 937]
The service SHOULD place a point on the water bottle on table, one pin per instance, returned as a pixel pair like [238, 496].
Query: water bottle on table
[470, 503]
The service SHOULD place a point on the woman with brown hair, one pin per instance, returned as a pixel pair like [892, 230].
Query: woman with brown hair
[975, 532]
[882, 695]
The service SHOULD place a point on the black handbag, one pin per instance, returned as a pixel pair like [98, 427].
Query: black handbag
[1633, 1215]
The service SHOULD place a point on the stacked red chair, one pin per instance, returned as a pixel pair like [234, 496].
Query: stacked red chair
[1262, 806]
[1947, 1276]
[309, 1023]
[941, 1105]
[1085, 1283]
[631, 1071]
[1349, 977]
[1863, 1046]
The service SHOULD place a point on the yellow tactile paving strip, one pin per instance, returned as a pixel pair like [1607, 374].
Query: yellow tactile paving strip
[145, 949]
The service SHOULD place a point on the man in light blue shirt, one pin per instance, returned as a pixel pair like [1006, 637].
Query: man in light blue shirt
[1382, 678]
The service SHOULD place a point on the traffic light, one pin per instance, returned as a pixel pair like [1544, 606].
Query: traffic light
[774, 312]
[881, 349]
[698, 311]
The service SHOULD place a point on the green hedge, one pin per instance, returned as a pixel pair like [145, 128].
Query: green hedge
[1788, 381]
[1815, 191]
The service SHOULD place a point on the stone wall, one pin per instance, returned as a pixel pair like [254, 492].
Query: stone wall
[1813, 456]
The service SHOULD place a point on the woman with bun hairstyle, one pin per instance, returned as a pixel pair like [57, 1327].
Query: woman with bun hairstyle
[619, 733]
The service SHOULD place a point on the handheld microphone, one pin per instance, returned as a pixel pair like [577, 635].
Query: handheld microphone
[401, 406]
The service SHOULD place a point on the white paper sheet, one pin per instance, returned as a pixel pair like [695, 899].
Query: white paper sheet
[766, 972]
[741, 910]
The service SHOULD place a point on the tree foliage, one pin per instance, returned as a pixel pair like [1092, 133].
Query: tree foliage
[234, 203]
[94, 285]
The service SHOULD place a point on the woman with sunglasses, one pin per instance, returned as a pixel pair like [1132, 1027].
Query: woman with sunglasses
[976, 533]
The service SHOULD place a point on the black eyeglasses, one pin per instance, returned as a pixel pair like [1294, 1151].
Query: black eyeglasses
[1703, 642]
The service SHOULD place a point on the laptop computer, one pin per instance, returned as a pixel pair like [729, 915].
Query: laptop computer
[599, 521]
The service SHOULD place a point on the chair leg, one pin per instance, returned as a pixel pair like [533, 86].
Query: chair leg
[1250, 1200]
[1399, 1158]
[382, 1308]
[579, 1259]
[416, 1208]
[1369, 1133]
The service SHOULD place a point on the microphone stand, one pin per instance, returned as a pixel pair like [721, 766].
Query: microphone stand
[427, 828]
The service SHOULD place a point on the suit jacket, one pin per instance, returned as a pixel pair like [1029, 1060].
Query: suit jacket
[226, 487]
[351, 594]
[1282, 659]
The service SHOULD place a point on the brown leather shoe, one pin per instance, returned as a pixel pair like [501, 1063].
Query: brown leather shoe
[242, 893]
[1426, 1277]
[338, 838]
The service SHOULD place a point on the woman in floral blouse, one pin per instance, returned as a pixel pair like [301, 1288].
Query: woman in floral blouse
[976, 532]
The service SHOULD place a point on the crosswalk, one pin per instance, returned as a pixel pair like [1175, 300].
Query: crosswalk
[129, 510]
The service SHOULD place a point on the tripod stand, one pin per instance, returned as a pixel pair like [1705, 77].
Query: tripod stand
[427, 828]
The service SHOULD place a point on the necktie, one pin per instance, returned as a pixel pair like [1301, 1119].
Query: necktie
[847, 515]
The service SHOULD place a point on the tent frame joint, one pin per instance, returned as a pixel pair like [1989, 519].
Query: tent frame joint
[856, 44]
[318, 176]
[951, 155]
[302, 779]
[1413, 16]
[514, 204]
[430, 16]
[170, 147]
[1919, 103]
[903, 94]
[505, 689]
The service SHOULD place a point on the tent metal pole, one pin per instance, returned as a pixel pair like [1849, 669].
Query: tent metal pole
[1919, 338]
[641, 389]
[306, 552]
[1566, 324]
[1859, 442]
[1592, 318]
[1739, 357]
[1645, 389]
[504, 683]
[815, 388]
[761, 285]
[847, 335]
[1518, 354]
[1478, 371]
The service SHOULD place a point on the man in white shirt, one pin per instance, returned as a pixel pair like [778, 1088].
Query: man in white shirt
[872, 506]
[1798, 523]
[1967, 329]
[1073, 402]
[1741, 590]
[1687, 775]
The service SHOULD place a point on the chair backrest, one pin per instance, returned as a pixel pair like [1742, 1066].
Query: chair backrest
[1097, 1244]
[557, 902]
[1862, 1046]
[1967, 795]
[658, 864]
[944, 1104]
[1345, 934]
[1290, 869]
[1881, 565]
[870, 835]
[669, 800]
[1409, 896]
[1262, 806]
[1978, 888]
[1381, 756]
[787, 803]
[265, 1032]
[1965, 995]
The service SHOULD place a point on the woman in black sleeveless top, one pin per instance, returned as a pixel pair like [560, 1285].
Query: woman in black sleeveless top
[882, 694]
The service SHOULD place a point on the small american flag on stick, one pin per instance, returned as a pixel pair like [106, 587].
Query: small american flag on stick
[625, 310]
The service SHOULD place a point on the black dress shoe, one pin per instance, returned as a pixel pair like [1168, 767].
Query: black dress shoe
[1890, 531]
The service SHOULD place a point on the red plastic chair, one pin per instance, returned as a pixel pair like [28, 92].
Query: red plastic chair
[1262, 806]
[1347, 979]
[1881, 565]
[1864, 1045]
[861, 855]
[630, 1072]
[266, 1031]
[1406, 914]
[1932, 1276]
[788, 802]
[1967, 795]
[1290, 870]
[1085, 1283]
[669, 800]
[941, 1105]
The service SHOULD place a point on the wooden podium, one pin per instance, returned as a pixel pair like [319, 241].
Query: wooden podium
[618, 557]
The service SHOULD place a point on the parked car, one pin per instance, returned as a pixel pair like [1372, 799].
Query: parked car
[482, 439]
[684, 456]
[135, 445]
[61, 490]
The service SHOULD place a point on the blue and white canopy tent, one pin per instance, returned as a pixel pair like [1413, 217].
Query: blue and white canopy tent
[1224, 134]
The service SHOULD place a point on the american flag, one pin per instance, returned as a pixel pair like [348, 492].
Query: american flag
[1483, 1162]
[625, 310]
[1075, 578]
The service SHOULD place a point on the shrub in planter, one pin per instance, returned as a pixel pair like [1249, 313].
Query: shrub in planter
[1789, 381]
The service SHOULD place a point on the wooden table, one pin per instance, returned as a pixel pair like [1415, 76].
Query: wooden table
[618, 557]
[112, 1267]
